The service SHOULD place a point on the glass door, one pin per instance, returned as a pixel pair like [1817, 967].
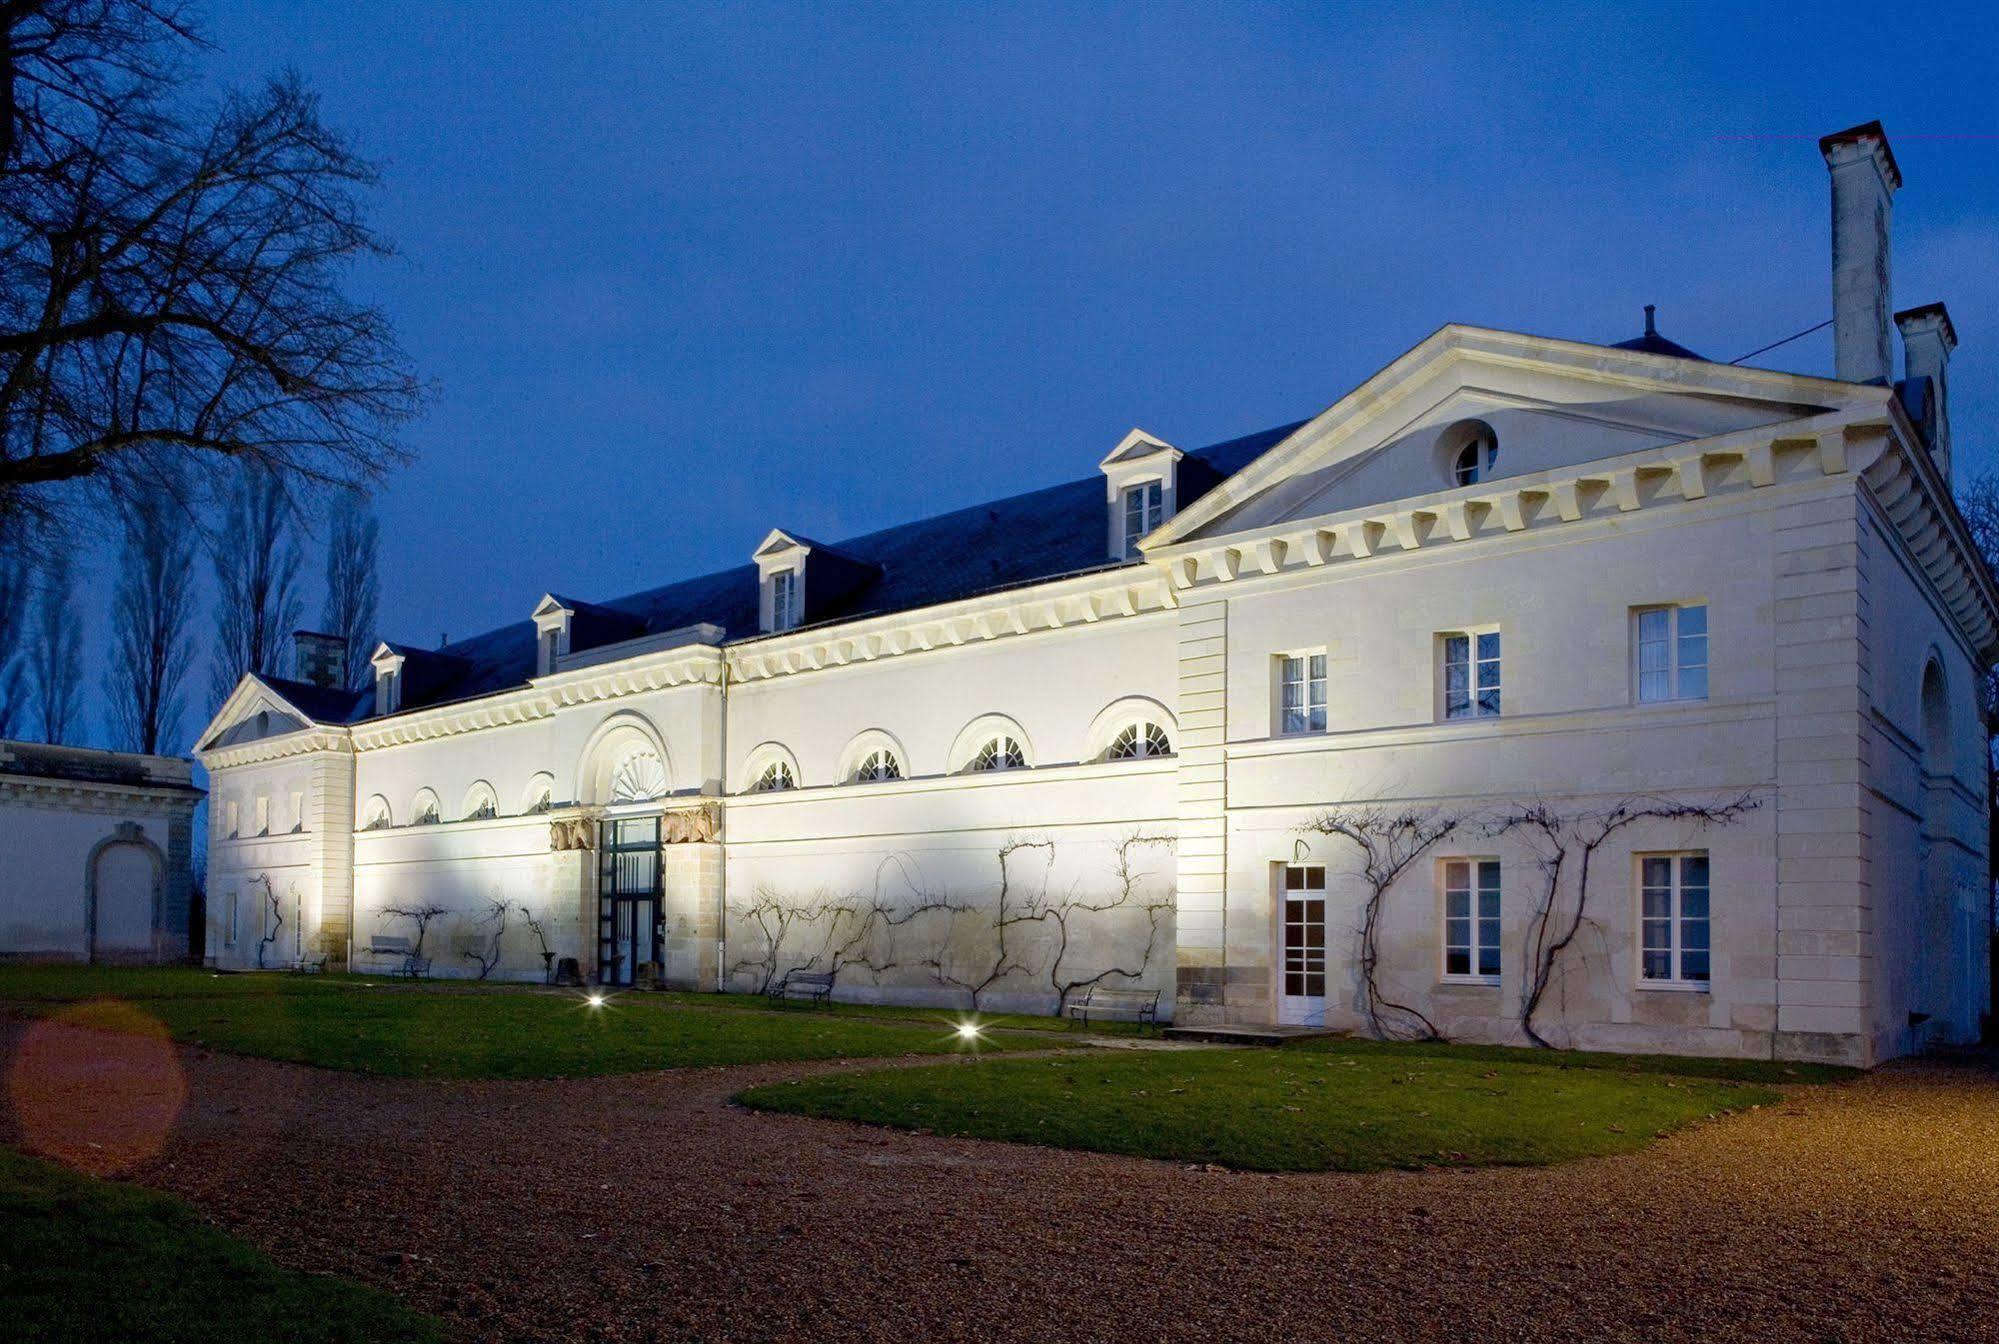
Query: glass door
[628, 892]
[1302, 989]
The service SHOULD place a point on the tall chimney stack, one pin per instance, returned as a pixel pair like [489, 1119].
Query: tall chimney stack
[1927, 340]
[1864, 179]
[318, 659]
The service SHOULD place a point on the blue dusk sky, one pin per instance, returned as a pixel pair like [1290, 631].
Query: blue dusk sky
[682, 274]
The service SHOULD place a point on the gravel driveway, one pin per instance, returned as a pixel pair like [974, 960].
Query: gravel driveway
[647, 1208]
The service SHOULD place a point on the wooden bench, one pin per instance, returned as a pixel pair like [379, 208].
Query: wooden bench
[814, 986]
[411, 965]
[1117, 1005]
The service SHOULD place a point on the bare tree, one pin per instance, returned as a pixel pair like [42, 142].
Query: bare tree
[422, 916]
[1567, 842]
[487, 936]
[256, 560]
[171, 273]
[55, 647]
[149, 617]
[1389, 841]
[1978, 501]
[353, 545]
[539, 929]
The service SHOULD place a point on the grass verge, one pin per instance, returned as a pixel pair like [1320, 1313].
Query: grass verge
[83, 1259]
[1341, 1106]
[482, 1031]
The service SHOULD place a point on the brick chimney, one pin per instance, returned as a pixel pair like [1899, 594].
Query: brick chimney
[1864, 181]
[319, 660]
[1927, 340]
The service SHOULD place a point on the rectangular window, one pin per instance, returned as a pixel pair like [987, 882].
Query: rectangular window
[551, 649]
[1673, 918]
[1471, 675]
[298, 813]
[1471, 919]
[229, 920]
[784, 599]
[260, 813]
[388, 692]
[1670, 646]
[1301, 693]
[229, 820]
[1142, 507]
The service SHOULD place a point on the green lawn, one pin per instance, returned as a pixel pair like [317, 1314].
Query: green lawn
[1346, 1106]
[82, 1259]
[479, 1031]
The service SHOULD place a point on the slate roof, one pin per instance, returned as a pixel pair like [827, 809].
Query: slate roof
[1030, 538]
[322, 704]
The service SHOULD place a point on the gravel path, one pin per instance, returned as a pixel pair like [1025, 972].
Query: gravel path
[647, 1208]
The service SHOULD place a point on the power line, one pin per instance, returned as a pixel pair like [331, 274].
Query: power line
[1786, 341]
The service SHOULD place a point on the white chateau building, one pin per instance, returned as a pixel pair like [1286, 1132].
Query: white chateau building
[1088, 731]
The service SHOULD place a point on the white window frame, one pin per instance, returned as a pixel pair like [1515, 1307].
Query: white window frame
[1677, 646]
[1150, 497]
[1676, 920]
[1311, 677]
[1143, 746]
[775, 769]
[389, 691]
[1485, 444]
[1001, 751]
[1477, 686]
[786, 586]
[229, 923]
[1484, 932]
[298, 813]
[889, 755]
[231, 822]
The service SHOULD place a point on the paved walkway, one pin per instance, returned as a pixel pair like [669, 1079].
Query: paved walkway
[648, 1208]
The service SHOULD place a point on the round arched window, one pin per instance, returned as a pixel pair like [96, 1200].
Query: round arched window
[999, 753]
[1138, 741]
[1475, 459]
[775, 778]
[878, 764]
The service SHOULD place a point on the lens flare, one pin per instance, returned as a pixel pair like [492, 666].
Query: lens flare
[595, 1000]
[968, 1031]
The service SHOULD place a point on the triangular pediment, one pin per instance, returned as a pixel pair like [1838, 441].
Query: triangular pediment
[779, 542]
[1137, 446]
[1547, 404]
[254, 711]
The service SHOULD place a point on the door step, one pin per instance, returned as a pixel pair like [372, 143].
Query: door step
[1240, 1033]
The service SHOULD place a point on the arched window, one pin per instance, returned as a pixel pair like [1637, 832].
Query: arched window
[424, 811]
[375, 816]
[481, 804]
[540, 795]
[879, 764]
[1471, 449]
[998, 753]
[1936, 720]
[776, 777]
[1139, 741]
[639, 777]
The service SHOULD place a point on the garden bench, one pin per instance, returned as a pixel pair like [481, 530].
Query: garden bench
[395, 945]
[1121, 1005]
[815, 986]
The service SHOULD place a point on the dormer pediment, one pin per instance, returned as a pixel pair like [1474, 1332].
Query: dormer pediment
[780, 550]
[1138, 447]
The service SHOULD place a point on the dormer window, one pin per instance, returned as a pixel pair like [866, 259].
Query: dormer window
[1140, 483]
[784, 605]
[1143, 512]
[388, 680]
[553, 620]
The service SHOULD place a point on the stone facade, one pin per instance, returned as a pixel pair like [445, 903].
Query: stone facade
[956, 774]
